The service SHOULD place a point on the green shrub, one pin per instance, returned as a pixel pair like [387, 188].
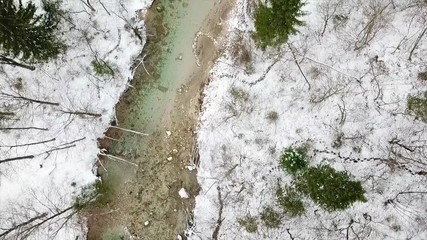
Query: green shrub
[102, 68]
[271, 218]
[290, 200]
[98, 194]
[331, 189]
[422, 76]
[418, 106]
[248, 223]
[293, 160]
[396, 228]
[275, 23]
[239, 94]
[86, 197]
[272, 116]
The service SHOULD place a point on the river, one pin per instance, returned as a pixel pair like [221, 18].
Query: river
[164, 102]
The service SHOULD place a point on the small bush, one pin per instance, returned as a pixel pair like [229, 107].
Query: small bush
[271, 218]
[396, 228]
[248, 223]
[418, 106]
[339, 21]
[422, 76]
[18, 85]
[330, 189]
[245, 57]
[293, 160]
[102, 68]
[240, 102]
[290, 201]
[239, 94]
[241, 54]
[339, 140]
[104, 190]
[98, 194]
[272, 116]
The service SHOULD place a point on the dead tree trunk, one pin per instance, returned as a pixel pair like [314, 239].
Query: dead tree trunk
[16, 159]
[80, 113]
[215, 233]
[23, 128]
[6, 60]
[48, 152]
[23, 230]
[416, 43]
[29, 144]
[21, 225]
[7, 114]
[29, 99]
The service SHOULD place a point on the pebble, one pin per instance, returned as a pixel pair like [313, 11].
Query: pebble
[146, 223]
[191, 168]
[169, 158]
[168, 133]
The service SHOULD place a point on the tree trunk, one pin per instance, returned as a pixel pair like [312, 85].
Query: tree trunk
[16, 159]
[23, 128]
[30, 99]
[5, 60]
[29, 144]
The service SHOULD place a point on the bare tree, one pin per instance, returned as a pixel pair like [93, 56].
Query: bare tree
[377, 14]
[46, 153]
[329, 10]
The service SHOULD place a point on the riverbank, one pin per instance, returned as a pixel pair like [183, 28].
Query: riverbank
[144, 196]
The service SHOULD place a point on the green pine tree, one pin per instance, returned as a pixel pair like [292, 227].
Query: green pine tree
[26, 36]
[275, 23]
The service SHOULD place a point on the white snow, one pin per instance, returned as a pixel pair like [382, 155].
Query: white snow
[351, 95]
[183, 193]
[49, 182]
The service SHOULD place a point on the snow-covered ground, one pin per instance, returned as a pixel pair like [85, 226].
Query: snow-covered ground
[38, 187]
[359, 78]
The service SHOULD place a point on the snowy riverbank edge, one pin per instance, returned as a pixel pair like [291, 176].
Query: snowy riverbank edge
[355, 106]
[40, 187]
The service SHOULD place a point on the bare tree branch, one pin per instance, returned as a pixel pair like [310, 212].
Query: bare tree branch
[82, 113]
[6, 60]
[16, 227]
[29, 144]
[30, 99]
[23, 128]
[299, 67]
[220, 218]
[16, 158]
[416, 43]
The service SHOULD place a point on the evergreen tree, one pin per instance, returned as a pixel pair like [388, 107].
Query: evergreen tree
[27, 36]
[275, 23]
